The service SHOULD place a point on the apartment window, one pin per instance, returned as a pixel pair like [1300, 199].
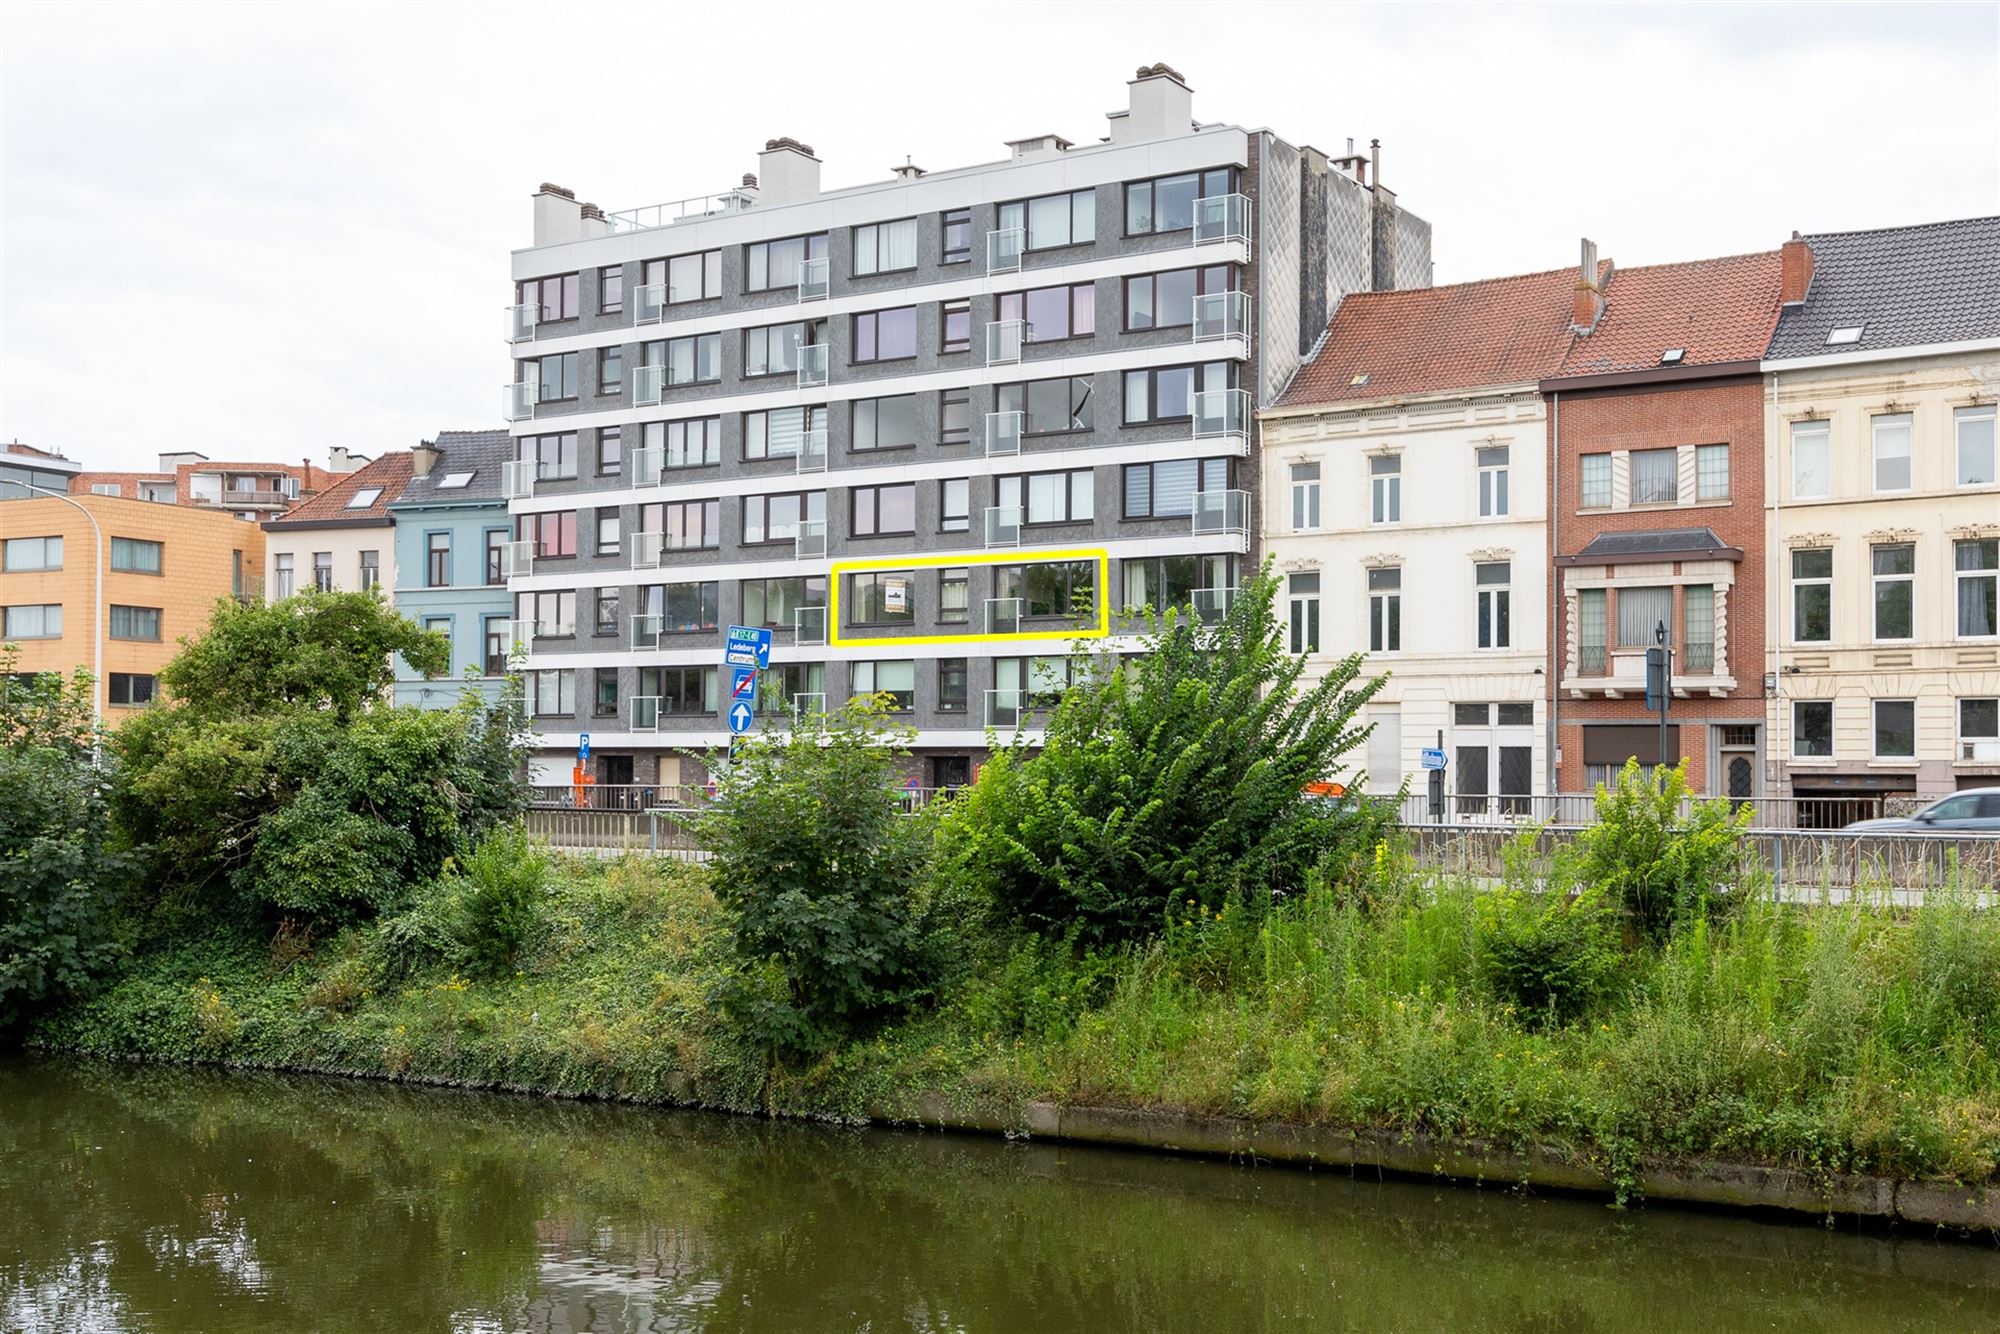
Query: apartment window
[132, 689]
[1492, 461]
[955, 505]
[554, 534]
[552, 693]
[1042, 681]
[554, 297]
[1812, 460]
[1166, 393]
[555, 377]
[1166, 300]
[1698, 628]
[884, 423]
[776, 518]
[695, 277]
[1655, 476]
[1385, 488]
[885, 247]
[801, 685]
[1172, 581]
[689, 525]
[1385, 610]
[954, 595]
[1048, 497]
[1812, 729]
[323, 571]
[776, 602]
[32, 621]
[1495, 617]
[610, 450]
[1974, 428]
[1166, 204]
[693, 359]
[680, 689]
[1978, 564]
[1895, 573]
[1305, 497]
[20, 554]
[1050, 588]
[1048, 407]
[552, 614]
[778, 433]
[1895, 729]
[1302, 595]
[440, 626]
[608, 540]
[132, 555]
[1592, 629]
[897, 680]
[952, 687]
[496, 555]
[610, 370]
[604, 612]
[497, 644]
[611, 289]
[694, 443]
[955, 327]
[880, 599]
[554, 456]
[773, 264]
[99, 488]
[1711, 470]
[1166, 490]
[1892, 451]
[1053, 313]
[957, 236]
[1594, 482]
[1978, 727]
[605, 702]
[1053, 220]
[682, 608]
[281, 574]
[1812, 595]
[773, 349]
[955, 417]
[1641, 611]
[877, 511]
[437, 560]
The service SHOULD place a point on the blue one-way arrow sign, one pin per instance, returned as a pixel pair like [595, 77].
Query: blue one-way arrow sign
[740, 718]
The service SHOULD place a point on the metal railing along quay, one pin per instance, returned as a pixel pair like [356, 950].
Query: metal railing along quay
[1580, 808]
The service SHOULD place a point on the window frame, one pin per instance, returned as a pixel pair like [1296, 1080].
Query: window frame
[1875, 730]
[1962, 575]
[437, 558]
[1878, 582]
[1807, 582]
[948, 520]
[1022, 486]
[875, 491]
[1022, 211]
[1012, 307]
[1496, 485]
[854, 415]
[876, 598]
[7, 565]
[874, 666]
[1876, 424]
[1198, 374]
[1385, 609]
[874, 336]
[569, 300]
[609, 276]
[812, 245]
[1071, 414]
[1151, 184]
[1960, 417]
[879, 229]
[1305, 495]
[132, 544]
[1385, 490]
[1493, 613]
[1585, 482]
[761, 501]
[947, 310]
[1798, 732]
[947, 252]
[1152, 512]
[1818, 432]
[613, 358]
[1632, 499]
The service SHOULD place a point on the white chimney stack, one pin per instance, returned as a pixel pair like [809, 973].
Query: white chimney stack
[787, 172]
[1161, 107]
[558, 217]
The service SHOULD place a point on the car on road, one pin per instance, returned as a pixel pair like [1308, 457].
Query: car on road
[1973, 811]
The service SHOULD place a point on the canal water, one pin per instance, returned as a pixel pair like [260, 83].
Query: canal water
[147, 1198]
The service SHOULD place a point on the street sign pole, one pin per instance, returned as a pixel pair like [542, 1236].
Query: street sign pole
[1437, 778]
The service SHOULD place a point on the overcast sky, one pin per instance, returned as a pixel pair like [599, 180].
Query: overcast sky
[260, 229]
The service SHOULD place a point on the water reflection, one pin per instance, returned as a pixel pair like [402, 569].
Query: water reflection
[139, 1198]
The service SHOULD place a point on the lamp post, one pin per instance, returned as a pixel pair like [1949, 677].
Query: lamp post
[1659, 681]
[96, 616]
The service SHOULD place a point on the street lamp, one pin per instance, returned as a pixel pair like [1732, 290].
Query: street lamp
[96, 616]
[1659, 681]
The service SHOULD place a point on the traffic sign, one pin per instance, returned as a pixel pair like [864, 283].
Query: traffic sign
[740, 718]
[1433, 759]
[747, 646]
[583, 746]
[743, 685]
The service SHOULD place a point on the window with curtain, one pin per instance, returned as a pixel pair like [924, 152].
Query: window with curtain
[1641, 609]
[885, 247]
[1812, 460]
[1978, 563]
[1892, 452]
[1655, 476]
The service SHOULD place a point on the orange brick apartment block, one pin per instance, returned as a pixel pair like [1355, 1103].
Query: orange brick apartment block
[171, 566]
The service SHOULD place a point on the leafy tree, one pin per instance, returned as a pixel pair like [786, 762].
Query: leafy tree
[1660, 856]
[59, 878]
[499, 894]
[824, 876]
[1179, 775]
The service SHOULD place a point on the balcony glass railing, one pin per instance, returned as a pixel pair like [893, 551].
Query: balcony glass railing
[1223, 414]
[647, 549]
[1003, 616]
[815, 279]
[811, 705]
[645, 713]
[645, 466]
[1003, 250]
[1221, 512]
[517, 401]
[649, 303]
[812, 450]
[1221, 315]
[811, 541]
[1219, 218]
[1003, 525]
[649, 383]
[812, 365]
[519, 635]
[518, 559]
[1003, 707]
[1003, 433]
[521, 321]
[1003, 341]
[646, 631]
[517, 479]
[809, 625]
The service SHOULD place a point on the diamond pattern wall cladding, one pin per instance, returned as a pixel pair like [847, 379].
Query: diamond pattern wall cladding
[1277, 254]
[1349, 239]
[1413, 250]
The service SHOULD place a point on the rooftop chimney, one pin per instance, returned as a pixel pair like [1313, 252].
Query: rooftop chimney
[590, 220]
[1589, 307]
[1795, 270]
[339, 459]
[558, 217]
[1160, 106]
[423, 457]
[908, 171]
[788, 171]
[1037, 145]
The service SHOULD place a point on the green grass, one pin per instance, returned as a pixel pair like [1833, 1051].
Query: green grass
[1829, 1037]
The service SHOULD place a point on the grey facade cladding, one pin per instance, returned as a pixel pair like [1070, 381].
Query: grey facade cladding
[1273, 276]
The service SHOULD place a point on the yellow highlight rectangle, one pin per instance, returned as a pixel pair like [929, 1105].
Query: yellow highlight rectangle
[1100, 554]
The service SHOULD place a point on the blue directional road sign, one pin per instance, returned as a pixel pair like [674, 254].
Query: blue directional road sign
[740, 718]
[1433, 759]
[747, 646]
[743, 686]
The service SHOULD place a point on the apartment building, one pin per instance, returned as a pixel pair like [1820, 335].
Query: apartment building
[451, 534]
[1403, 497]
[341, 539]
[249, 490]
[1656, 520]
[161, 569]
[1884, 513]
[41, 469]
[926, 430]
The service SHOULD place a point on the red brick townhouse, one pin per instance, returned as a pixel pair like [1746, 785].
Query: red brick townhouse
[1656, 519]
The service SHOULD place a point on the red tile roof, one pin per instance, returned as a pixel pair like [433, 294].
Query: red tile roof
[1435, 339]
[390, 472]
[1718, 310]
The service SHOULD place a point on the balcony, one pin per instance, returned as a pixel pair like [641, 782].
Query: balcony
[1004, 707]
[236, 500]
[645, 465]
[517, 559]
[1003, 616]
[645, 713]
[517, 479]
[1003, 434]
[1618, 673]
[521, 321]
[1224, 415]
[812, 365]
[1221, 218]
[812, 450]
[1223, 317]
[646, 631]
[649, 303]
[1003, 525]
[1003, 250]
[649, 383]
[1211, 605]
[519, 635]
[815, 279]
[1221, 512]
[517, 401]
[809, 626]
[810, 543]
[812, 705]
[647, 549]
[1003, 341]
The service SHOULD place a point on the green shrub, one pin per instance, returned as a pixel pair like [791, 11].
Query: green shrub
[499, 893]
[1661, 857]
[1546, 954]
